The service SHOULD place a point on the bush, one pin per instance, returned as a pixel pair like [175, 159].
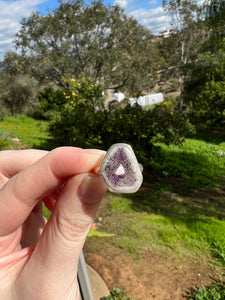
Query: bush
[209, 107]
[142, 128]
[78, 114]
[81, 120]
[49, 101]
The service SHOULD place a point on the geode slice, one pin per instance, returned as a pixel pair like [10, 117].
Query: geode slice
[120, 169]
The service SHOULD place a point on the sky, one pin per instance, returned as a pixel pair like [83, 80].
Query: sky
[148, 12]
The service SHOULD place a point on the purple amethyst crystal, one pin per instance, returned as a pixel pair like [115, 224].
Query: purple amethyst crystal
[120, 169]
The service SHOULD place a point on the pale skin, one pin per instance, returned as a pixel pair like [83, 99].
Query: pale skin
[39, 258]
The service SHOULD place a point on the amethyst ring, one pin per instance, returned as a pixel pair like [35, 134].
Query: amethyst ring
[121, 170]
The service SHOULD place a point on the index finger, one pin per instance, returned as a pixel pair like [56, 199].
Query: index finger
[14, 161]
[23, 191]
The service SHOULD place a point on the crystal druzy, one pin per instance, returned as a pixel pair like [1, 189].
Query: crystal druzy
[120, 169]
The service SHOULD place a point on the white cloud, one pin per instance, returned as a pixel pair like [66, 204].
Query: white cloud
[154, 19]
[153, 2]
[122, 3]
[11, 12]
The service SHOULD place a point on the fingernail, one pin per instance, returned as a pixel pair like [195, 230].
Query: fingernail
[92, 189]
[94, 151]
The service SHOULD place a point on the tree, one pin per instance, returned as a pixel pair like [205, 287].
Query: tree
[214, 15]
[13, 64]
[215, 12]
[210, 104]
[204, 83]
[100, 41]
[187, 28]
[18, 93]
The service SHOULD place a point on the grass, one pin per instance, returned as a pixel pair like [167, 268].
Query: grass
[215, 292]
[180, 207]
[22, 132]
[179, 211]
[136, 231]
[200, 162]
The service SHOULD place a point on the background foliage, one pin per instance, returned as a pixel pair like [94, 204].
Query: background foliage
[98, 40]
[79, 118]
[17, 94]
[104, 44]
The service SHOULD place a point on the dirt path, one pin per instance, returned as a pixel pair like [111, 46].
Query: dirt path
[154, 276]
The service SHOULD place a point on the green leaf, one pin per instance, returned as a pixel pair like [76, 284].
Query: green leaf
[99, 234]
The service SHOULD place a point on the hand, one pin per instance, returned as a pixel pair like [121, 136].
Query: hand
[39, 258]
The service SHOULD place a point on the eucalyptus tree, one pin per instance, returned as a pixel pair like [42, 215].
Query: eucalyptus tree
[186, 25]
[204, 86]
[215, 12]
[100, 41]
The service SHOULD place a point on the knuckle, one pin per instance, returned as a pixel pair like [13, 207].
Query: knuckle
[73, 228]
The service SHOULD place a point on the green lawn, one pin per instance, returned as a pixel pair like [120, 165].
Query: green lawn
[182, 207]
[23, 132]
[200, 161]
[179, 211]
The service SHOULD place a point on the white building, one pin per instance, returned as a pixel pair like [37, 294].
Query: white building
[147, 100]
[166, 33]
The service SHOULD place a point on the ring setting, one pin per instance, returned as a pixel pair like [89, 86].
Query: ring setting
[120, 169]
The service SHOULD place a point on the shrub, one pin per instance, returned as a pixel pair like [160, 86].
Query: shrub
[80, 119]
[209, 107]
[142, 128]
[77, 117]
[49, 101]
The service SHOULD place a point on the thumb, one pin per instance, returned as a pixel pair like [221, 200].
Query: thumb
[58, 249]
